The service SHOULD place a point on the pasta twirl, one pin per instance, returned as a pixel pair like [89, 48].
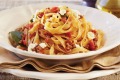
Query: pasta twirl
[59, 30]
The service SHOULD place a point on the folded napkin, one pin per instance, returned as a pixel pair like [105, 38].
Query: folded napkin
[107, 60]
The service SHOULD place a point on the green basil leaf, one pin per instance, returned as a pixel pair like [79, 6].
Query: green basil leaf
[15, 36]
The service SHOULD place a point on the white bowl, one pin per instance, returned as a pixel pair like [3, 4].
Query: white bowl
[13, 18]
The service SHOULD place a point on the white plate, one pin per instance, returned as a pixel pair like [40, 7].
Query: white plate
[13, 18]
[60, 76]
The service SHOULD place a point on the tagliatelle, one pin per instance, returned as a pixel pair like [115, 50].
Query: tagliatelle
[63, 30]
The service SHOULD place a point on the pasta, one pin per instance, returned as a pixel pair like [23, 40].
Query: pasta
[58, 31]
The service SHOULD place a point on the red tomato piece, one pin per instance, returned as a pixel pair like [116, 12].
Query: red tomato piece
[49, 41]
[68, 34]
[40, 14]
[92, 45]
[64, 19]
[32, 35]
[29, 26]
[24, 42]
[94, 31]
[55, 9]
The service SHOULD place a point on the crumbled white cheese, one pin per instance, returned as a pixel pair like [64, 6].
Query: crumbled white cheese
[77, 45]
[93, 28]
[47, 24]
[31, 46]
[43, 45]
[34, 19]
[62, 11]
[90, 35]
[51, 19]
[35, 15]
[77, 13]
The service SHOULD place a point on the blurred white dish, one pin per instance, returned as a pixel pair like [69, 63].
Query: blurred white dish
[13, 18]
[60, 76]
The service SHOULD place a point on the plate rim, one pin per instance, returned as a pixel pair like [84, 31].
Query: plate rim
[60, 76]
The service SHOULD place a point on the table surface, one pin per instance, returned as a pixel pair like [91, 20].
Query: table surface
[6, 4]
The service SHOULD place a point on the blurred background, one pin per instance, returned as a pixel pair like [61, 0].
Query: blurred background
[111, 6]
[4, 4]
